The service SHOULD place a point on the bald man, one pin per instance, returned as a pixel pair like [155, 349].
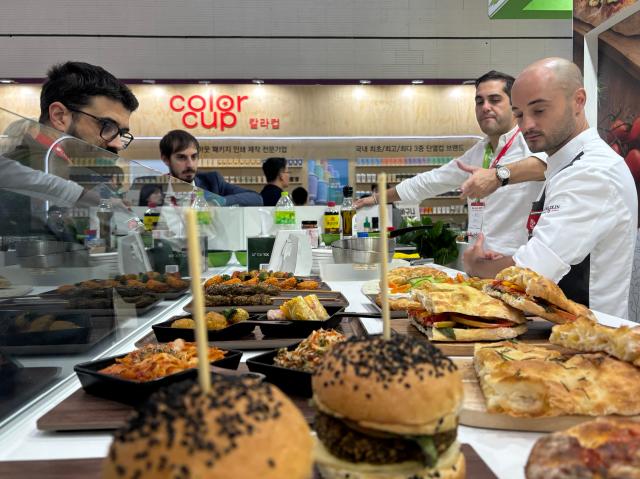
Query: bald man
[583, 227]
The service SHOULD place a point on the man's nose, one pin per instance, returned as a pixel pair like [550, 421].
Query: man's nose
[525, 123]
[116, 143]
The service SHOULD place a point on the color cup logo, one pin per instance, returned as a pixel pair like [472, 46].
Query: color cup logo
[209, 112]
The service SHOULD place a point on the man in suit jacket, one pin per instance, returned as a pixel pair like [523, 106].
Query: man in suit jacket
[179, 151]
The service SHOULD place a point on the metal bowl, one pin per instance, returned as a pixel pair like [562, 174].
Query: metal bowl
[360, 250]
[39, 247]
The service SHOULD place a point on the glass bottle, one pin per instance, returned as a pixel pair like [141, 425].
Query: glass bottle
[151, 217]
[285, 213]
[331, 219]
[347, 212]
[105, 214]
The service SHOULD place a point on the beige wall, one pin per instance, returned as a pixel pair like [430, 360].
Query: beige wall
[315, 110]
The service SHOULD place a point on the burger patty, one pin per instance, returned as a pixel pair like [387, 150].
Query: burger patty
[355, 446]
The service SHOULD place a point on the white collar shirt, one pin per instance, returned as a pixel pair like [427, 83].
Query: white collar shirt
[506, 209]
[590, 210]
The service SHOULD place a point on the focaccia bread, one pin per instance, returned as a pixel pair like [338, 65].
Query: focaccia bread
[535, 294]
[399, 276]
[595, 12]
[400, 302]
[528, 381]
[463, 299]
[589, 336]
[600, 449]
[470, 334]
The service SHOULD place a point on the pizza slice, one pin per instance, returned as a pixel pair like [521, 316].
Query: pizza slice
[596, 12]
[599, 449]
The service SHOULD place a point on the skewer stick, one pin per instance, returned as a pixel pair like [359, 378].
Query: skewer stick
[384, 252]
[204, 376]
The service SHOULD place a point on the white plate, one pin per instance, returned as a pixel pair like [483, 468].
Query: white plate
[13, 291]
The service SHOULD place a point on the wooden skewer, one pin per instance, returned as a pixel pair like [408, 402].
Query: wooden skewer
[384, 252]
[193, 242]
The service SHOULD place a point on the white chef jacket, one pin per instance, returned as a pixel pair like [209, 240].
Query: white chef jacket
[591, 208]
[506, 209]
[35, 183]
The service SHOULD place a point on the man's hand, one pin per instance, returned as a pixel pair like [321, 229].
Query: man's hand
[482, 183]
[476, 256]
[366, 201]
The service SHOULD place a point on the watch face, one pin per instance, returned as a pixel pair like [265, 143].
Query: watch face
[503, 173]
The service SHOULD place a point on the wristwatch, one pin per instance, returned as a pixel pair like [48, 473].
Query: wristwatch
[503, 174]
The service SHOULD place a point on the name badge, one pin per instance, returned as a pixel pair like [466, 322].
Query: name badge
[476, 216]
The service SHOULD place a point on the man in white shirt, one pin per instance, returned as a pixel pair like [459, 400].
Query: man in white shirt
[502, 215]
[583, 227]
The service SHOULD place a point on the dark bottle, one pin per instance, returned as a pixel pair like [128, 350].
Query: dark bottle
[347, 212]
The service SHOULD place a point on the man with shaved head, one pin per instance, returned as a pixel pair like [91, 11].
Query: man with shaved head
[583, 227]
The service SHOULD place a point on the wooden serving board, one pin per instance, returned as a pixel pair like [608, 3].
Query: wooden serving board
[537, 335]
[474, 411]
[84, 412]
[92, 468]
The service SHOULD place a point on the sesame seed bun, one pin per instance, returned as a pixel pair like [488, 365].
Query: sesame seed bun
[403, 385]
[243, 428]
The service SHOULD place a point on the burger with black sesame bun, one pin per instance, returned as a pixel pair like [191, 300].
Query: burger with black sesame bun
[242, 428]
[387, 409]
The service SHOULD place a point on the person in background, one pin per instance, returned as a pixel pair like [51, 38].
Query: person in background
[503, 214]
[179, 151]
[151, 194]
[277, 174]
[79, 100]
[583, 226]
[299, 196]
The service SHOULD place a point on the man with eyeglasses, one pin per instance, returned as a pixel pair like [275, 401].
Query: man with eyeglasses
[276, 173]
[83, 101]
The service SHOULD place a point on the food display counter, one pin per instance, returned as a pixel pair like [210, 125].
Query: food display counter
[505, 452]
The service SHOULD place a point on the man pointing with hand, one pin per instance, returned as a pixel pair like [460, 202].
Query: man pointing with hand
[492, 166]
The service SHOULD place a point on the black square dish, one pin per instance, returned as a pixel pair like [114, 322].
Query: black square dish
[133, 392]
[291, 381]
[21, 328]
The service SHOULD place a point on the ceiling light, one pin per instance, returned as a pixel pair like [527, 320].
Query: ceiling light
[258, 82]
[150, 82]
[6, 81]
[469, 82]
[417, 82]
[204, 82]
[365, 82]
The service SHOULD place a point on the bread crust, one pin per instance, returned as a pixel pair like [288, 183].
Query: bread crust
[389, 385]
[472, 334]
[588, 336]
[538, 286]
[613, 441]
[529, 381]
[159, 442]
[463, 299]
[524, 304]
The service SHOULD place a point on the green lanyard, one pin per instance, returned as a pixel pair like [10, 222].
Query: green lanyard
[488, 155]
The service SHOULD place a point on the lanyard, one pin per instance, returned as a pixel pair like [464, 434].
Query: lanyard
[486, 160]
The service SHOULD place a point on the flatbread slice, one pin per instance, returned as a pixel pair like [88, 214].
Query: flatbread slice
[470, 334]
[532, 293]
[589, 336]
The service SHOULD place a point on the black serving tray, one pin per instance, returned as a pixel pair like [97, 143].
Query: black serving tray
[291, 381]
[36, 303]
[133, 392]
[79, 335]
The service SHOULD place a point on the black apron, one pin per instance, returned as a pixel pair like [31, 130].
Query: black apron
[575, 284]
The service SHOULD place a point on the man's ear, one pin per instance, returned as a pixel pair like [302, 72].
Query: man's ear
[59, 116]
[580, 99]
[166, 161]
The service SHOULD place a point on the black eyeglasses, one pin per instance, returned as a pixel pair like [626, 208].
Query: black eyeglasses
[109, 129]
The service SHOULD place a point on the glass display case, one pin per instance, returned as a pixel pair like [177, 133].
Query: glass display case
[82, 264]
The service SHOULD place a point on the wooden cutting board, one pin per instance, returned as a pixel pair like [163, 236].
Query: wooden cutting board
[84, 412]
[474, 411]
[92, 468]
[537, 335]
